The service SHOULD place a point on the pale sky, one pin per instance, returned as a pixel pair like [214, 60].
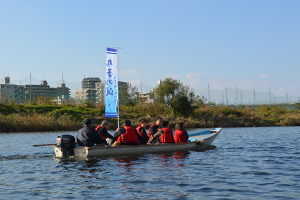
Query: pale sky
[251, 43]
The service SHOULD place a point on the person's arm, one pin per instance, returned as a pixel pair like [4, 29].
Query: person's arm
[103, 131]
[145, 136]
[153, 130]
[140, 138]
[99, 139]
[119, 133]
[186, 134]
[156, 135]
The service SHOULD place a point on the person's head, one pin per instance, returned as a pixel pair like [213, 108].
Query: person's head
[88, 122]
[179, 126]
[105, 124]
[143, 124]
[127, 123]
[158, 121]
[165, 124]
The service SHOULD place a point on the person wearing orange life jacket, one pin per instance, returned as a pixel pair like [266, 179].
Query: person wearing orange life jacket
[154, 127]
[102, 130]
[163, 135]
[128, 135]
[141, 130]
[181, 136]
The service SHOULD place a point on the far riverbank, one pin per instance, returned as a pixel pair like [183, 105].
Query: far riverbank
[69, 117]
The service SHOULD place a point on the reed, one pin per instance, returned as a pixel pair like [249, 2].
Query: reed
[70, 117]
[37, 122]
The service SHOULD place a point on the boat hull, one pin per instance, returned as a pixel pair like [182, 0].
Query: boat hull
[198, 141]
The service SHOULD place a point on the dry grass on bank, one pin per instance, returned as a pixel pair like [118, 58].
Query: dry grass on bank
[34, 118]
[36, 123]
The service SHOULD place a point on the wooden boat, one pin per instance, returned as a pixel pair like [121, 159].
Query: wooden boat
[197, 141]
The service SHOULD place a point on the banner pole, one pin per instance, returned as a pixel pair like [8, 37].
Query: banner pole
[118, 89]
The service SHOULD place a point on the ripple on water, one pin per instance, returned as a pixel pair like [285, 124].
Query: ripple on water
[243, 164]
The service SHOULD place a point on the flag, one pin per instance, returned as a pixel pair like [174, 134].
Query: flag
[111, 84]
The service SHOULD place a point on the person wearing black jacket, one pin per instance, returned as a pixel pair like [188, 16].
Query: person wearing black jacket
[141, 130]
[154, 127]
[103, 132]
[87, 136]
[121, 131]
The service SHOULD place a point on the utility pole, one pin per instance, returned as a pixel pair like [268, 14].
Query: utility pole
[82, 88]
[20, 94]
[269, 97]
[222, 99]
[242, 99]
[237, 98]
[226, 97]
[254, 96]
[63, 85]
[287, 97]
[208, 93]
[30, 87]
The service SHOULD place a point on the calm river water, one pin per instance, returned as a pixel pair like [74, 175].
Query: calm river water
[246, 163]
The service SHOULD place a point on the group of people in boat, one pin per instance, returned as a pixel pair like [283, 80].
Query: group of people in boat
[158, 132]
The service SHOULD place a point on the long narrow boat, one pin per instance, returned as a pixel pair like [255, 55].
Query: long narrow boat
[197, 141]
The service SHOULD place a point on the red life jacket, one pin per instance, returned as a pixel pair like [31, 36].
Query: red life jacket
[149, 133]
[141, 134]
[129, 137]
[179, 137]
[167, 137]
[98, 127]
[138, 130]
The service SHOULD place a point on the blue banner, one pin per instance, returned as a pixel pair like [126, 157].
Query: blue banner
[111, 86]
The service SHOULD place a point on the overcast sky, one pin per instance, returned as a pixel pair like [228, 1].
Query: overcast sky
[252, 43]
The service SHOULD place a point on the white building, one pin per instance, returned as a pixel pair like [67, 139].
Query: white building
[85, 95]
[100, 91]
[11, 92]
[146, 97]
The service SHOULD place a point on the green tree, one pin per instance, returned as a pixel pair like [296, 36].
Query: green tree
[128, 95]
[179, 98]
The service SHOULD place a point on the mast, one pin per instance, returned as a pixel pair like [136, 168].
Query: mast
[118, 88]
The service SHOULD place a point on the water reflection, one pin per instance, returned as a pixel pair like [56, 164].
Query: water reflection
[127, 162]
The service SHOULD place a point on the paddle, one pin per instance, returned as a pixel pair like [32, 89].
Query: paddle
[41, 145]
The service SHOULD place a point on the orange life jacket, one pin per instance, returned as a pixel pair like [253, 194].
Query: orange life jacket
[167, 137]
[98, 127]
[149, 133]
[179, 137]
[129, 137]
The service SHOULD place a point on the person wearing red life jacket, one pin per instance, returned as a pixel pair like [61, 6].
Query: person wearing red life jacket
[128, 135]
[154, 127]
[163, 135]
[141, 129]
[181, 136]
[102, 130]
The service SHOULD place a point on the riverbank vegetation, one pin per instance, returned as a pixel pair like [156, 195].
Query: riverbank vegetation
[70, 117]
[175, 102]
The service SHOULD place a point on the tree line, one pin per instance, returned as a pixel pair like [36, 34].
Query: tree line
[170, 92]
